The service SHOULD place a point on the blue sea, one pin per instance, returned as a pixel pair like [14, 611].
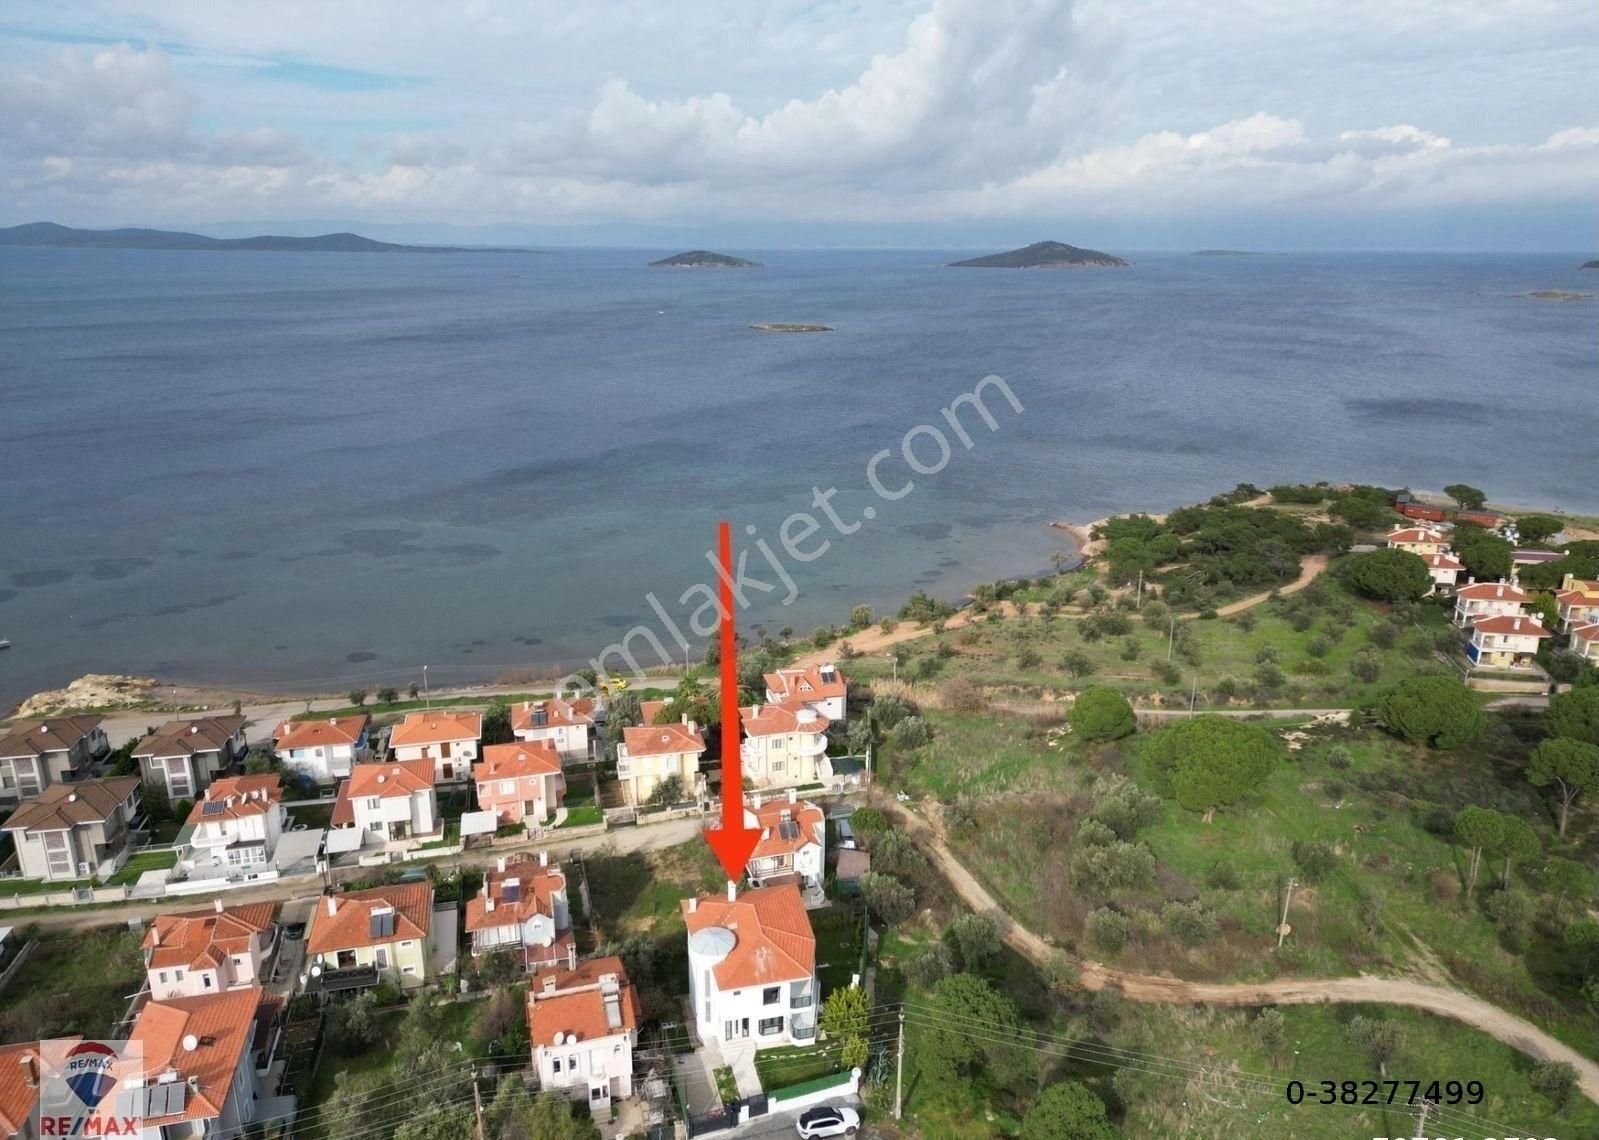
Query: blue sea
[307, 471]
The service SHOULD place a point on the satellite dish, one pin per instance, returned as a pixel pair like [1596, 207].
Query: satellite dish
[316, 971]
[190, 1043]
[558, 1038]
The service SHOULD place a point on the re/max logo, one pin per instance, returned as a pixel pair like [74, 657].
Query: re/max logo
[89, 1126]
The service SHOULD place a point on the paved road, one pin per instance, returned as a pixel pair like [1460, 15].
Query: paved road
[299, 896]
[1514, 1031]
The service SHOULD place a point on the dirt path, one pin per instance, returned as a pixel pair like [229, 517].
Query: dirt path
[1519, 1034]
[1312, 566]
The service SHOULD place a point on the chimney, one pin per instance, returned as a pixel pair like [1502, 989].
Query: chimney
[544, 858]
[217, 903]
[499, 864]
[333, 906]
[693, 904]
[571, 955]
[1499, 591]
[30, 1069]
[755, 801]
[155, 935]
[488, 904]
[1518, 624]
[549, 983]
[732, 891]
[1471, 579]
[793, 795]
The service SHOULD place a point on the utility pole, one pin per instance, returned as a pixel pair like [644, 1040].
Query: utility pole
[1421, 1123]
[427, 695]
[1139, 604]
[1283, 927]
[899, 1072]
[1171, 637]
[477, 1104]
[1193, 694]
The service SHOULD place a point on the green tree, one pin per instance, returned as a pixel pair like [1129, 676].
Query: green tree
[260, 761]
[887, 898]
[1272, 1029]
[860, 617]
[1378, 1037]
[497, 723]
[1481, 829]
[412, 690]
[1570, 766]
[1518, 844]
[1466, 497]
[1574, 715]
[1536, 528]
[975, 940]
[1207, 762]
[557, 1118]
[845, 1017]
[1434, 710]
[969, 1026]
[1583, 937]
[868, 823]
[1556, 1080]
[388, 695]
[1101, 713]
[357, 697]
[912, 733]
[1068, 1111]
[1391, 575]
[668, 790]
[1485, 555]
[1569, 881]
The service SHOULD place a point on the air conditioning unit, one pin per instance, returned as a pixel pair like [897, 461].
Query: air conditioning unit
[83, 870]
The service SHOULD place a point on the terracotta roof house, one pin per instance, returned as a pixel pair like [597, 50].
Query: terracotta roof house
[752, 967]
[820, 687]
[784, 745]
[1577, 601]
[74, 831]
[391, 802]
[382, 933]
[1585, 641]
[37, 753]
[1477, 600]
[183, 756]
[207, 951]
[1444, 569]
[1504, 642]
[21, 1071]
[235, 826]
[793, 843]
[583, 1022]
[200, 1066]
[523, 906]
[1419, 540]
[567, 724]
[520, 782]
[448, 739]
[324, 750]
[649, 754]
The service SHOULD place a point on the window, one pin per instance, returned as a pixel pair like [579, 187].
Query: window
[162, 977]
[597, 1093]
[372, 803]
[507, 787]
[57, 853]
[777, 765]
[771, 995]
[555, 1064]
[380, 957]
[770, 1025]
[411, 970]
[571, 1064]
[177, 975]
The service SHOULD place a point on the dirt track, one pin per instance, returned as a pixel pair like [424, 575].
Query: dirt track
[1519, 1034]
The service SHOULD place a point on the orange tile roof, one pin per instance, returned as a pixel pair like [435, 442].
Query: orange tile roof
[779, 720]
[1589, 632]
[557, 713]
[293, 734]
[349, 927]
[61, 806]
[436, 727]
[807, 683]
[773, 939]
[223, 1026]
[55, 734]
[186, 737]
[239, 796]
[649, 710]
[384, 780]
[662, 739]
[17, 1098]
[1417, 534]
[513, 761]
[1507, 623]
[1491, 591]
[197, 939]
[1577, 597]
[576, 1004]
[769, 815]
[538, 885]
[1443, 561]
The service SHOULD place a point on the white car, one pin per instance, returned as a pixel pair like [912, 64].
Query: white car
[828, 1121]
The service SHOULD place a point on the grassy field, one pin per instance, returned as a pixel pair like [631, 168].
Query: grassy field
[838, 946]
[142, 862]
[73, 982]
[11, 888]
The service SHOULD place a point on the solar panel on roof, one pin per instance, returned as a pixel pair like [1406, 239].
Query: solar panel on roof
[788, 829]
[382, 924]
[163, 1099]
[511, 890]
[212, 807]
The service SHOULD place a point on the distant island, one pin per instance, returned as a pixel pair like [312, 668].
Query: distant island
[1589, 265]
[49, 234]
[1556, 295]
[1044, 255]
[790, 327]
[1227, 253]
[705, 259]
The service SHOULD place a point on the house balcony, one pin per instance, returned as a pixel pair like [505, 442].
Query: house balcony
[810, 745]
[802, 1030]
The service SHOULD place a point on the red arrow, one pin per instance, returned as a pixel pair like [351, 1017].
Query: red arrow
[733, 842]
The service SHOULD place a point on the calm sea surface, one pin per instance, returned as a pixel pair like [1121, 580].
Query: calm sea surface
[307, 470]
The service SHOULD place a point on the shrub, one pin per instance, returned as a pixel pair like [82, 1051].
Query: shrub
[974, 938]
[1113, 867]
[388, 695]
[895, 854]
[1076, 663]
[1271, 1028]
[1127, 811]
[1556, 1080]
[930, 966]
[1092, 833]
[1167, 672]
[911, 733]
[1223, 876]
[1106, 929]
[1511, 913]
[1189, 922]
[889, 900]
[868, 823]
[889, 709]
[1101, 713]
[1434, 710]
[1338, 758]
[1318, 647]
[1130, 649]
[961, 695]
[1366, 666]
[1315, 860]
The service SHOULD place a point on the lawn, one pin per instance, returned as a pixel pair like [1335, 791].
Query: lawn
[790, 1065]
[582, 811]
[316, 817]
[72, 982]
[10, 888]
[838, 929]
[141, 862]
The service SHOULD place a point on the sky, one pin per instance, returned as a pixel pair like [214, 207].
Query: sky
[1467, 124]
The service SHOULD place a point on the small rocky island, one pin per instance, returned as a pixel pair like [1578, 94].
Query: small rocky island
[790, 327]
[1556, 295]
[1044, 255]
[705, 259]
[1589, 265]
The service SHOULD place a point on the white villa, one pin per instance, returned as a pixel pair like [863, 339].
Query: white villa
[567, 724]
[793, 843]
[1504, 642]
[208, 951]
[236, 825]
[752, 968]
[324, 750]
[523, 906]
[819, 687]
[784, 745]
[1477, 600]
[387, 803]
[583, 1023]
[448, 739]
